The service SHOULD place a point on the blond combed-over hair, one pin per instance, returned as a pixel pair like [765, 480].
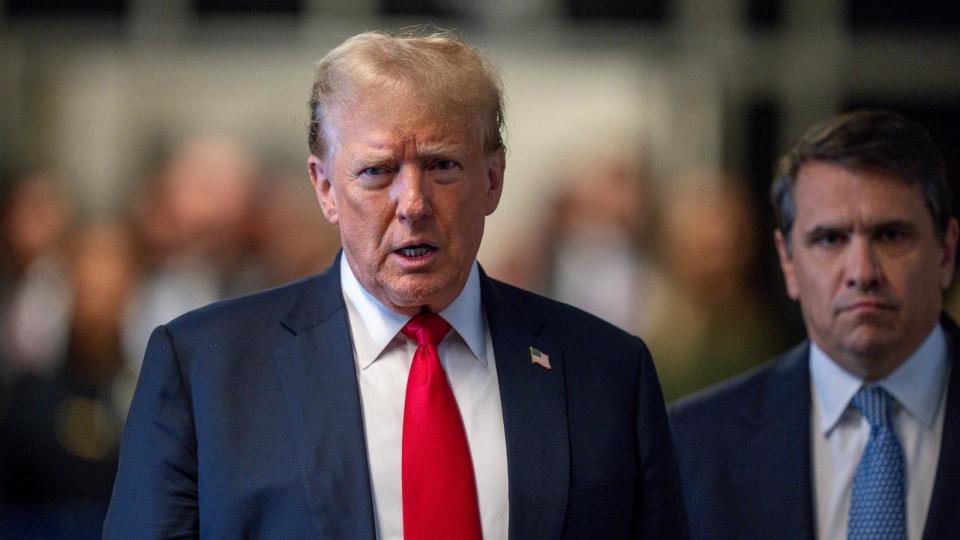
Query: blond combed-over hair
[452, 79]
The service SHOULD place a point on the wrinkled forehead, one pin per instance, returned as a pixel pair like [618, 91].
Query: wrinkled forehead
[401, 110]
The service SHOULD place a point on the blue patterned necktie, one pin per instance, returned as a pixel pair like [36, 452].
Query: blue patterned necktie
[877, 510]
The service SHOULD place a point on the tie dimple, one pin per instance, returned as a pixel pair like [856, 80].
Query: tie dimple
[426, 329]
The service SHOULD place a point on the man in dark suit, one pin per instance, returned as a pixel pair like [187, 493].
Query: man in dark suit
[854, 433]
[290, 413]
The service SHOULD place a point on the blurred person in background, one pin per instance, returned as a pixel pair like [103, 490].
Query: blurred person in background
[598, 256]
[280, 251]
[195, 219]
[34, 289]
[713, 324]
[592, 250]
[855, 433]
[60, 437]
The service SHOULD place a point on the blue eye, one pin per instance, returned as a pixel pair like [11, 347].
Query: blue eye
[373, 171]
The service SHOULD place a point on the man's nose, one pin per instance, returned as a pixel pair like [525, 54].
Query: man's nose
[413, 198]
[863, 269]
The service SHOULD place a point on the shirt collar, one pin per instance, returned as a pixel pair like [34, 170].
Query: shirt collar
[465, 315]
[917, 384]
[380, 325]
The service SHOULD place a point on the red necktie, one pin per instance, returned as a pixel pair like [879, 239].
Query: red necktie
[439, 490]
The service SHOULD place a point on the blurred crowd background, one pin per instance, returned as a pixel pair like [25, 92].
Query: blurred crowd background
[152, 160]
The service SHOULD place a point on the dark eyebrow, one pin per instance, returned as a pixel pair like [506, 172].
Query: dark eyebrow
[897, 224]
[822, 230]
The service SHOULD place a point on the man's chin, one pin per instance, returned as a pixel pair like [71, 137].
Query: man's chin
[413, 292]
[867, 328]
[870, 341]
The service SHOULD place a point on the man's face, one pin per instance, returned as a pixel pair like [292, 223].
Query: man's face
[865, 265]
[410, 194]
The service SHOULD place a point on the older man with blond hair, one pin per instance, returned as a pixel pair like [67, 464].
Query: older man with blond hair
[401, 393]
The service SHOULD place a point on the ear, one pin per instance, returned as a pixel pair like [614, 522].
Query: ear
[949, 259]
[323, 186]
[496, 162]
[787, 265]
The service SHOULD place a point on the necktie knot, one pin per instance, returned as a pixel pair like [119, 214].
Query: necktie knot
[874, 404]
[426, 329]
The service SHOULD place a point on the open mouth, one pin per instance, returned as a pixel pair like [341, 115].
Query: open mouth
[415, 251]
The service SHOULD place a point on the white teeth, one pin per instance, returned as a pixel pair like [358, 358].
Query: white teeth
[414, 251]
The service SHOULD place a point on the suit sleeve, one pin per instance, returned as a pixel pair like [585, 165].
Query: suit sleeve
[660, 500]
[155, 494]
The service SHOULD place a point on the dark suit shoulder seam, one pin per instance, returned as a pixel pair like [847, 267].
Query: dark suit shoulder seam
[188, 389]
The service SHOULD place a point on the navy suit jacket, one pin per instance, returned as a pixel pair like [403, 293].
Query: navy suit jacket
[247, 423]
[744, 453]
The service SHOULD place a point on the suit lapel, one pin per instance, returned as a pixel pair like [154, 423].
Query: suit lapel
[534, 415]
[943, 520]
[773, 470]
[322, 399]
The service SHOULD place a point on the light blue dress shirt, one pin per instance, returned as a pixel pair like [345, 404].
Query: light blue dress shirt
[839, 433]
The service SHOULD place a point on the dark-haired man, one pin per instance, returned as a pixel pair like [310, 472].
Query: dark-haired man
[401, 393]
[854, 433]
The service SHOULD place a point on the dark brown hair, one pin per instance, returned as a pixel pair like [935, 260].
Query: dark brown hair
[867, 140]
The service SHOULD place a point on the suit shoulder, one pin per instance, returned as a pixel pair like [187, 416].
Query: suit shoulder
[267, 305]
[750, 391]
[553, 311]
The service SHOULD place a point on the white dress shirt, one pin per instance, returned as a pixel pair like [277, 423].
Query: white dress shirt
[839, 432]
[383, 358]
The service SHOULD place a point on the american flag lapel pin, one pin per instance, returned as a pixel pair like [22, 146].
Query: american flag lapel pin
[540, 358]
